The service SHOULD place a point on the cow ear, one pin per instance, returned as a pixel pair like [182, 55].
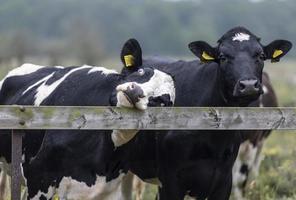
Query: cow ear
[203, 51]
[277, 49]
[131, 54]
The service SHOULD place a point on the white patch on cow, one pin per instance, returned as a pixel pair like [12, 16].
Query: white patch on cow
[246, 156]
[71, 189]
[25, 69]
[261, 101]
[138, 186]
[154, 181]
[103, 70]
[265, 89]
[48, 195]
[241, 37]
[188, 197]
[120, 137]
[44, 90]
[38, 82]
[159, 84]
[59, 67]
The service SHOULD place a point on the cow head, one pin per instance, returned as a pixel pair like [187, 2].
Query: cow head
[240, 57]
[142, 86]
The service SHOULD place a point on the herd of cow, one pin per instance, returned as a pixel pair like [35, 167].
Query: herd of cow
[94, 164]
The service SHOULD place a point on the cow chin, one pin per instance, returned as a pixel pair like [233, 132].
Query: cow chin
[243, 101]
[123, 100]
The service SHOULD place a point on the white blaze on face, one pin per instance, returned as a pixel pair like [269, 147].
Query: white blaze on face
[241, 37]
[159, 84]
[71, 189]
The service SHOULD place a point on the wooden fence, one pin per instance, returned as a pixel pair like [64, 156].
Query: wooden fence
[20, 118]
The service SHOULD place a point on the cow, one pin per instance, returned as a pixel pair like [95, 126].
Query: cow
[76, 165]
[249, 157]
[199, 163]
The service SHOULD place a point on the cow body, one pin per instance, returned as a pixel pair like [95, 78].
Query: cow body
[249, 157]
[199, 163]
[78, 164]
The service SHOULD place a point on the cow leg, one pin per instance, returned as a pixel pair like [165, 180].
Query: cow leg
[127, 186]
[4, 178]
[258, 159]
[3, 183]
[40, 182]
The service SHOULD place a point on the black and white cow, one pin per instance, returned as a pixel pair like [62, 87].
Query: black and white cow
[249, 157]
[199, 163]
[77, 165]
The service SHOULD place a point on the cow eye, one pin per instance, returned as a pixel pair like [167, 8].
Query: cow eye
[141, 72]
[222, 58]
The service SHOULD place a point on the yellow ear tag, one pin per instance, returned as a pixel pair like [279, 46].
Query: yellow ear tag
[55, 197]
[277, 53]
[129, 60]
[207, 56]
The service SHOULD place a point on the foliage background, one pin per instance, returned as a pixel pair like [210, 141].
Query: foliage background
[92, 30]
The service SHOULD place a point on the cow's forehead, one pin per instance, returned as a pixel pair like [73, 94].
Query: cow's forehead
[240, 41]
[239, 37]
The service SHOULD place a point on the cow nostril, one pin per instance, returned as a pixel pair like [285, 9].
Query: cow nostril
[257, 85]
[242, 86]
[132, 86]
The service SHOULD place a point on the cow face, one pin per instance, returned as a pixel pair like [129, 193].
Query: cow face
[146, 87]
[240, 57]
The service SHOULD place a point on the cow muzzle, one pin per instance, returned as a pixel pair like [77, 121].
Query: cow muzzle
[247, 87]
[129, 94]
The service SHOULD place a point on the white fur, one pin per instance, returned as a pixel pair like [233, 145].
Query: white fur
[44, 90]
[39, 82]
[241, 37]
[71, 189]
[160, 83]
[48, 195]
[103, 70]
[21, 71]
[265, 89]
[120, 137]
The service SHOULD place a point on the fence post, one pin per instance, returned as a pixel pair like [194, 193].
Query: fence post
[16, 149]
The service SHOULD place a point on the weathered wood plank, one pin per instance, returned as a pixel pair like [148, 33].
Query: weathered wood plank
[28, 117]
[16, 151]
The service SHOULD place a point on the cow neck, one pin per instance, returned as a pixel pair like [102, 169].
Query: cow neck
[113, 97]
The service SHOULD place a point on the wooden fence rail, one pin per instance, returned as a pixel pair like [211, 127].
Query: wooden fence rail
[108, 118]
[19, 118]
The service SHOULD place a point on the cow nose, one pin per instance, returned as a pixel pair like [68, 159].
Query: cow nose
[134, 93]
[247, 87]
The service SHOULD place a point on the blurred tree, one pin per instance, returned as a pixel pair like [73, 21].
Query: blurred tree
[162, 27]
